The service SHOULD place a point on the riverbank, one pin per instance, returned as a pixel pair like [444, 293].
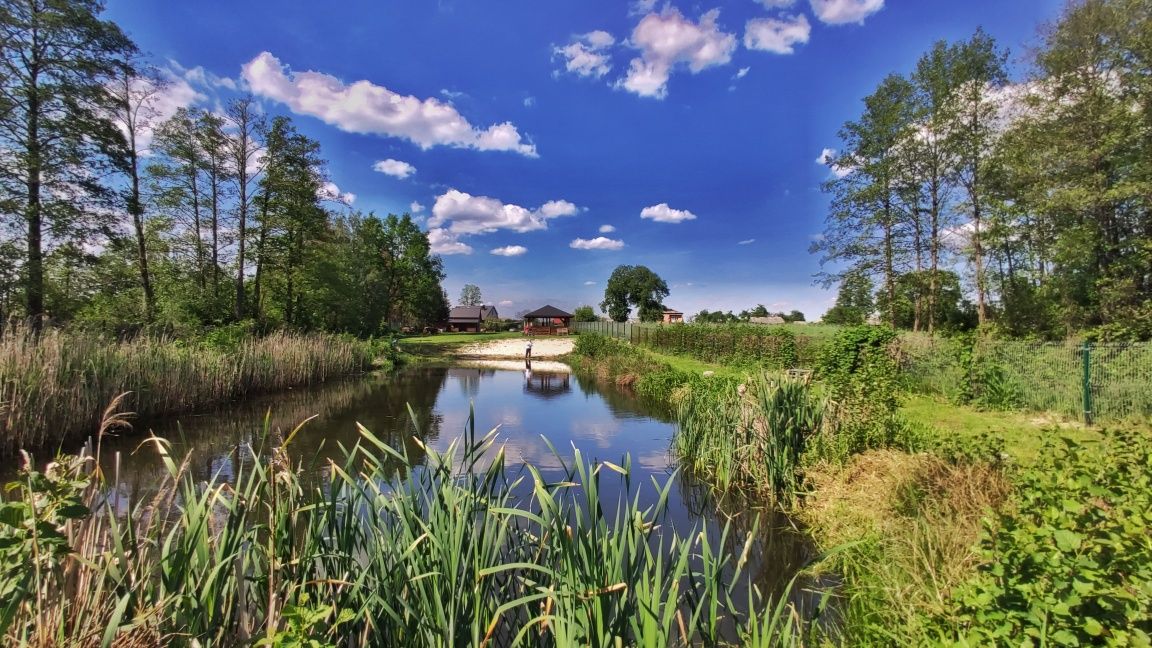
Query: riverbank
[54, 389]
[923, 505]
[466, 346]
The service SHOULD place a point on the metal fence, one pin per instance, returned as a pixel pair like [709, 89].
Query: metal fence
[1095, 382]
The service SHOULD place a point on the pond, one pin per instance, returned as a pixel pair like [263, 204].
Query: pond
[524, 406]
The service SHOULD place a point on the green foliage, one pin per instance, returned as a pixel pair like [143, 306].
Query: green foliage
[470, 295]
[749, 346]
[584, 314]
[634, 287]
[1069, 562]
[853, 301]
[860, 371]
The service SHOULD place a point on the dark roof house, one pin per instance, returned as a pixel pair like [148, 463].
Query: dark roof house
[547, 320]
[470, 318]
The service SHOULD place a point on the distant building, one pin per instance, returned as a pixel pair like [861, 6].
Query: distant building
[470, 319]
[771, 319]
[547, 320]
[672, 316]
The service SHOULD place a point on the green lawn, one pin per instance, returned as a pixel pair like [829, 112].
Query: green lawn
[1023, 433]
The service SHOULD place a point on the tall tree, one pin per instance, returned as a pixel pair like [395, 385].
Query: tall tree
[634, 286]
[213, 145]
[56, 61]
[863, 228]
[853, 301]
[246, 124]
[470, 295]
[175, 178]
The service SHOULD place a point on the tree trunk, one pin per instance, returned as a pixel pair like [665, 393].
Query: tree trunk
[136, 209]
[35, 218]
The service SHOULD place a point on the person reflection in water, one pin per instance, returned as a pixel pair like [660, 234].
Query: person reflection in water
[527, 370]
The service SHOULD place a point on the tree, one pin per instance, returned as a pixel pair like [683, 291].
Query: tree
[244, 146]
[56, 63]
[853, 302]
[634, 286]
[470, 295]
[584, 314]
[794, 316]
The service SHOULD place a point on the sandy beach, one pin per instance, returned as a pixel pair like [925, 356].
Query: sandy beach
[541, 348]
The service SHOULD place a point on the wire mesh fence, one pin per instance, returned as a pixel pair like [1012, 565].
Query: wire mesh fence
[1095, 382]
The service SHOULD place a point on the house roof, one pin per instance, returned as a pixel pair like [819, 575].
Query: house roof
[472, 313]
[547, 311]
[672, 311]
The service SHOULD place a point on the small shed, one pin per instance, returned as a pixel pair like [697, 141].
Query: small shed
[672, 316]
[470, 318]
[771, 319]
[548, 320]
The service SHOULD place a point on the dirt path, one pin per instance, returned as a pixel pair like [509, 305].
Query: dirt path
[541, 348]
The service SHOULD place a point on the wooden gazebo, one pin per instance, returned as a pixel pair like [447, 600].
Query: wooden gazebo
[548, 320]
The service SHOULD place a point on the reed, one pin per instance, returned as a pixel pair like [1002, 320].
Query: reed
[53, 388]
[380, 551]
[749, 437]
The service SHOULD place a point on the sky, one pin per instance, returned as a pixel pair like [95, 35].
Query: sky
[542, 144]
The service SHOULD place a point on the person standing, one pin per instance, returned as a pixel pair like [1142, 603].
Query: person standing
[528, 350]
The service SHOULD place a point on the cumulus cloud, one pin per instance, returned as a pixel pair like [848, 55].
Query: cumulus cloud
[607, 229]
[441, 241]
[667, 40]
[160, 101]
[598, 243]
[777, 35]
[416, 207]
[364, 107]
[662, 213]
[641, 7]
[588, 54]
[463, 213]
[510, 250]
[329, 191]
[746, 242]
[843, 12]
[589, 283]
[827, 157]
[741, 73]
[395, 168]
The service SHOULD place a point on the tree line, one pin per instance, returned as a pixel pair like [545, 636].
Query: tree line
[110, 214]
[970, 197]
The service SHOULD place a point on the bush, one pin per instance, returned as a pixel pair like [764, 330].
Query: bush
[1070, 562]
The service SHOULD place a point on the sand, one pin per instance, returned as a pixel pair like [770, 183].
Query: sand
[541, 348]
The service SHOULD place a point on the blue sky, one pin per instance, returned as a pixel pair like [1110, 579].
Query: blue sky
[544, 143]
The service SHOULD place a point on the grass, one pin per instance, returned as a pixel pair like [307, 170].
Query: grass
[382, 551]
[52, 389]
[445, 344]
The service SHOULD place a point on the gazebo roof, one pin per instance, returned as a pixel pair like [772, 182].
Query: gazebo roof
[547, 311]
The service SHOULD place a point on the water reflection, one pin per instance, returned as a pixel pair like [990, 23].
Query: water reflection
[540, 412]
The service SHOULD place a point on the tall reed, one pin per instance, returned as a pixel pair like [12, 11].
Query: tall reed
[53, 388]
[750, 437]
[453, 552]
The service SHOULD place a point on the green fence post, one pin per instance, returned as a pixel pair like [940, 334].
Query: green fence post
[1086, 356]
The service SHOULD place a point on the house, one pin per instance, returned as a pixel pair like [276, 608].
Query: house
[471, 318]
[771, 319]
[672, 316]
[547, 320]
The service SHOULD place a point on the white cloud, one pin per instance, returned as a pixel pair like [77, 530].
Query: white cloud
[776, 4]
[641, 7]
[826, 157]
[607, 229]
[329, 191]
[662, 213]
[741, 73]
[589, 283]
[364, 107]
[588, 54]
[394, 168]
[506, 302]
[510, 250]
[598, 243]
[667, 40]
[746, 242]
[416, 207]
[452, 94]
[441, 241]
[160, 102]
[842, 12]
[777, 35]
[464, 213]
[529, 102]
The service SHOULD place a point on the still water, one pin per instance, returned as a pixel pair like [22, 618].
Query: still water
[525, 407]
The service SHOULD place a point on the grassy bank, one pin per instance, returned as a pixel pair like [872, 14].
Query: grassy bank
[927, 498]
[450, 552]
[444, 345]
[52, 390]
